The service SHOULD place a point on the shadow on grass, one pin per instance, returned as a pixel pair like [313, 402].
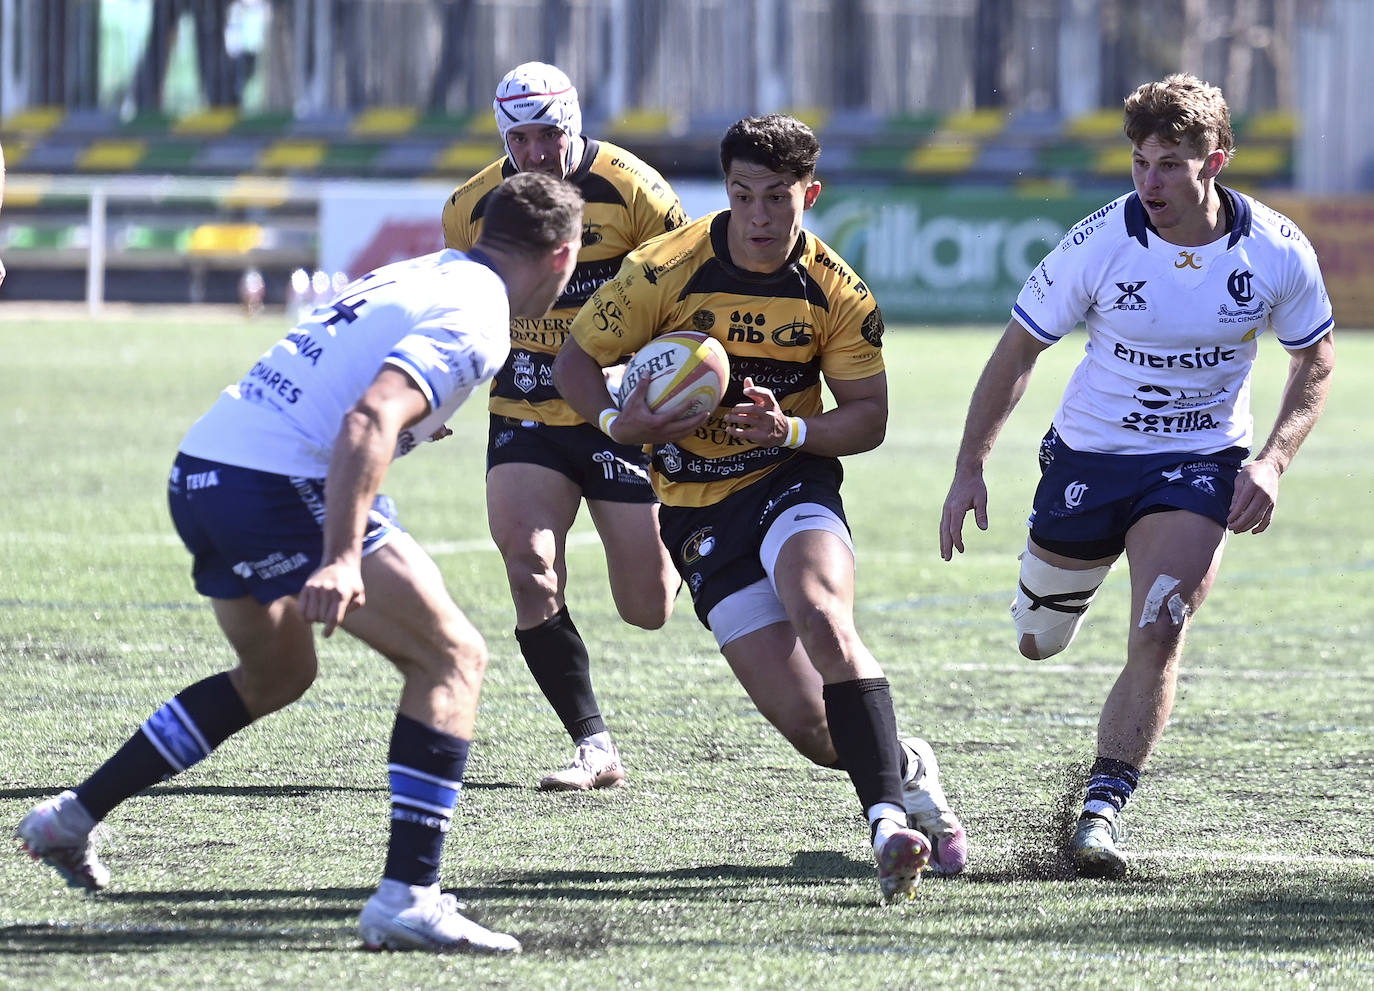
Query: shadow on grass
[252, 791]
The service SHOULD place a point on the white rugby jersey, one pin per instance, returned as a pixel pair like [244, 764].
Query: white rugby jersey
[1172, 330]
[443, 319]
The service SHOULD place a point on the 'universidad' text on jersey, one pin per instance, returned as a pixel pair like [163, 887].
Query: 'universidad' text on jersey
[443, 319]
[783, 330]
[627, 203]
[1172, 330]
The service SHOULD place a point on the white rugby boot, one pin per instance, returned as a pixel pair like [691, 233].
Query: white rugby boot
[928, 810]
[592, 767]
[62, 834]
[427, 920]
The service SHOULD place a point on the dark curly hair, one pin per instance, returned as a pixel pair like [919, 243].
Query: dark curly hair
[777, 142]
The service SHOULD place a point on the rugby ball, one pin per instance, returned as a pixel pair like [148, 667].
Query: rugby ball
[687, 373]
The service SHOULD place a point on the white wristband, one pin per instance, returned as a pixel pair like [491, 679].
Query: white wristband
[796, 433]
[607, 419]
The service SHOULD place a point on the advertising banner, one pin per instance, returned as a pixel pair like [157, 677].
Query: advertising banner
[932, 256]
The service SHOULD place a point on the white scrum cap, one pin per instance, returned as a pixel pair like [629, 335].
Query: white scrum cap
[538, 93]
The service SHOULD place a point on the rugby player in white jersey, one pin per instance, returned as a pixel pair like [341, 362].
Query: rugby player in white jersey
[1177, 282]
[274, 493]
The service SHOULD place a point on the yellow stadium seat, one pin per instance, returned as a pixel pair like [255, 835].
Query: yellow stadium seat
[224, 239]
[112, 156]
[214, 120]
[385, 121]
[292, 154]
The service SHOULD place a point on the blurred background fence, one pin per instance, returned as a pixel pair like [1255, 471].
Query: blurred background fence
[218, 132]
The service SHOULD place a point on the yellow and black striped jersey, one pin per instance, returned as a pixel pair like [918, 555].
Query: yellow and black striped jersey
[627, 203]
[786, 329]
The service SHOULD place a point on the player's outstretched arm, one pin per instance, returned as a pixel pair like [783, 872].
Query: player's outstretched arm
[999, 389]
[362, 454]
[1304, 398]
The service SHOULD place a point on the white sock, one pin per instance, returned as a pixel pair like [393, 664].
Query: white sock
[395, 892]
[601, 741]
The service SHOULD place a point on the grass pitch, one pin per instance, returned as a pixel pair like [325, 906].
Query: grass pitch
[729, 862]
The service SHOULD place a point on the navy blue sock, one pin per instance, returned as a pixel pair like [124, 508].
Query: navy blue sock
[426, 770]
[557, 657]
[863, 729]
[1110, 785]
[181, 733]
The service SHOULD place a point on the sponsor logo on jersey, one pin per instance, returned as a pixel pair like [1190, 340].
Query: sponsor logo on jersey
[1205, 484]
[652, 272]
[1130, 298]
[1170, 423]
[1074, 493]
[591, 234]
[1188, 259]
[797, 334]
[1153, 396]
[1196, 358]
[747, 327]
[609, 318]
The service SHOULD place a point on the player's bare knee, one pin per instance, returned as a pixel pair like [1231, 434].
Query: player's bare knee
[1051, 603]
[646, 612]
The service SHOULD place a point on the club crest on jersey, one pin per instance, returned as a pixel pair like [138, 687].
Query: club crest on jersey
[1130, 298]
[703, 320]
[1240, 286]
[1074, 493]
[526, 379]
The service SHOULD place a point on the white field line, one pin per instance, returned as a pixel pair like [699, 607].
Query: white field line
[1251, 858]
[1250, 674]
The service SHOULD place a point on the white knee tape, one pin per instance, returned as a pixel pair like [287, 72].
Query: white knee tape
[1051, 602]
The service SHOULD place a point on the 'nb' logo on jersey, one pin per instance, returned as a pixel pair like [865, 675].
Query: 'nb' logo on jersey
[1241, 286]
[1130, 298]
[1187, 259]
[1074, 493]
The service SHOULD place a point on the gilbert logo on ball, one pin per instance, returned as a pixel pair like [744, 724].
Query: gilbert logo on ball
[687, 373]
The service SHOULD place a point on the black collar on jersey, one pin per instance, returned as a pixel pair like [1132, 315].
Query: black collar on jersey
[721, 274]
[1238, 217]
[594, 188]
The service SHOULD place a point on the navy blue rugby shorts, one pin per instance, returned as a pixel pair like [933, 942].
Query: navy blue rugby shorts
[716, 548]
[1086, 502]
[255, 533]
[599, 466]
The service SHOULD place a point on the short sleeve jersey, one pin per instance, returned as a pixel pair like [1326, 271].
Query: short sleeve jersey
[627, 203]
[1172, 331]
[786, 329]
[442, 319]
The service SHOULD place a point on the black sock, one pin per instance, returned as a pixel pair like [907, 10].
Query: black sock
[426, 767]
[863, 729]
[557, 657]
[181, 733]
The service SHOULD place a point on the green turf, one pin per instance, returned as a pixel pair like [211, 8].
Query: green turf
[729, 862]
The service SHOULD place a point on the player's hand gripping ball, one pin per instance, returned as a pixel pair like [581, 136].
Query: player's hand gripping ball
[687, 373]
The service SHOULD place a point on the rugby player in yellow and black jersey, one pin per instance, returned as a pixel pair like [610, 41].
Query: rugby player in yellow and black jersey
[751, 509]
[542, 458]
